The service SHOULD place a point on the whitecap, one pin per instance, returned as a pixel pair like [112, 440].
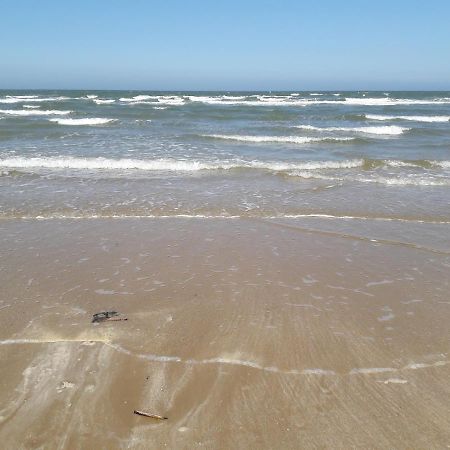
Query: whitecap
[90, 121]
[19, 99]
[411, 118]
[100, 101]
[33, 112]
[386, 130]
[167, 164]
[276, 139]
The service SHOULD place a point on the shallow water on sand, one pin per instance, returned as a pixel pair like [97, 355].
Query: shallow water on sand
[242, 332]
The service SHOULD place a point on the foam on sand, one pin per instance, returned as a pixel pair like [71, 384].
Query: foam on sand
[90, 121]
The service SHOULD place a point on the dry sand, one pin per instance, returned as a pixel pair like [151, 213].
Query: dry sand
[244, 333]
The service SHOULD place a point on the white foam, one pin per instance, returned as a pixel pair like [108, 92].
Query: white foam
[22, 96]
[31, 106]
[136, 98]
[171, 100]
[371, 370]
[33, 112]
[28, 99]
[412, 179]
[387, 130]
[443, 164]
[167, 164]
[91, 96]
[318, 372]
[394, 381]
[276, 139]
[405, 181]
[391, 101]
[90, 121]
[100, 101]
[280, 100]
[412, 118]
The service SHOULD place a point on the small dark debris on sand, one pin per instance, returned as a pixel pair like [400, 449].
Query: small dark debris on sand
[107, 316]
[152, 416]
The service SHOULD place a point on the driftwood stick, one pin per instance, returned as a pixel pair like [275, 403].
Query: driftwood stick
[152, 416]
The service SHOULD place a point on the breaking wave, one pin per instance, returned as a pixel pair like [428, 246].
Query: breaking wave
[168, 164]
[387, 130]
[100, 101]
[91, 121]
[277, 139]
[169, 100]
[33, 112]
[30, 98]
[412, 118]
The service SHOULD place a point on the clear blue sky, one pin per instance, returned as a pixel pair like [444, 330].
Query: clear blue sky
[230, 45]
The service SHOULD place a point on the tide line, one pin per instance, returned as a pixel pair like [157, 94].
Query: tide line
[235, 362]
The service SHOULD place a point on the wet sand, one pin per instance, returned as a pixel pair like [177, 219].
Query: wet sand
[244, 333]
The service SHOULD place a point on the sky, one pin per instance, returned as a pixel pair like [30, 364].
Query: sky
[225, 45]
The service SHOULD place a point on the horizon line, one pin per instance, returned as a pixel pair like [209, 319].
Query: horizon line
[224, 90]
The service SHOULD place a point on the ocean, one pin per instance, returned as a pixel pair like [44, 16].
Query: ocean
[91, 154]
[277, 266]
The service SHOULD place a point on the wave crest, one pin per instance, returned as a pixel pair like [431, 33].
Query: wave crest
[276, 139]
[33, 112]
[168, 164]
[386, 130]
[90, 121]
[411, 118]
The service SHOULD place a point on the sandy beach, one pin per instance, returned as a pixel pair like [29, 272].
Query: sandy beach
[244, 333]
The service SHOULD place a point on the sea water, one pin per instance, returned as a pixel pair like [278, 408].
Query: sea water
[88, 154]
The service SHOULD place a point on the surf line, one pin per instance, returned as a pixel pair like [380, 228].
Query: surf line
[233, 362]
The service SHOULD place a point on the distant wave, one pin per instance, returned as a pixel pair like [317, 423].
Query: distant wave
[249, 100]
[22, 96]
[391, 101]
[276, 139]
[387, 130]
[31, 98]
[91, 121]
[33, 112]
[412, 118]
[153, 100]
[280, 100]
[100, 101]
[295, 99]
